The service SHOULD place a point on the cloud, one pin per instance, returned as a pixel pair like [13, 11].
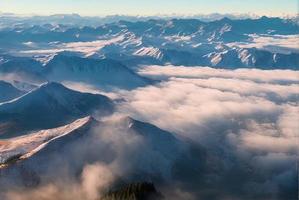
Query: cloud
[242, 126]
[273, 43]
[86, 48]
[110, 154]
[246, 119]
[94, 180]
[256, 75]
[87, 88]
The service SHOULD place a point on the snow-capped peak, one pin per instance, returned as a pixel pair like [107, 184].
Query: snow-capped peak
[25, 146]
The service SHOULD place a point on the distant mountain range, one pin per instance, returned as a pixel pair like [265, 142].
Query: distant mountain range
[264, 42]
[7, 19]
[225, 28]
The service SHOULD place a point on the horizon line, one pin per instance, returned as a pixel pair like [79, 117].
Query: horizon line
[250, 15]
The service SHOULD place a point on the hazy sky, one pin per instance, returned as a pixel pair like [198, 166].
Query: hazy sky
[149, 7]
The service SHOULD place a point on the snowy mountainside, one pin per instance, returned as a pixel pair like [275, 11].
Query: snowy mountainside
[86, 140]
[26, 146]
[186, 42]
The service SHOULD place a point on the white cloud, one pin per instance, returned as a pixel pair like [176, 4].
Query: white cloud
[87, 48]
[256, 75]
[245, 119]
[248, 118]
[284, 44]
[190, 100]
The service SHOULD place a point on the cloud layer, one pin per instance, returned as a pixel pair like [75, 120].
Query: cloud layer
[246, 118]
[242, 126]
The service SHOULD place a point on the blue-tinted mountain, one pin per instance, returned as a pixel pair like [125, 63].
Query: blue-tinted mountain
[99, 72]
[155, 27]
[8, 92]
[22, 67]
[186, 42]
[49, 106]
[32, 157]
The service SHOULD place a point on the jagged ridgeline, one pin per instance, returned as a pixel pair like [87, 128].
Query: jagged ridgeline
[135, 191]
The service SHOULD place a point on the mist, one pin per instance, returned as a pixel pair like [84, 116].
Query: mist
[246, 120]
[233, 135]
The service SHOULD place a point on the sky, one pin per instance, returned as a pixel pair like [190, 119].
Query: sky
[149, 7]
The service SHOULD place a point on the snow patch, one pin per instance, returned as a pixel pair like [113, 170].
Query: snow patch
[149, 51]
[26, 146]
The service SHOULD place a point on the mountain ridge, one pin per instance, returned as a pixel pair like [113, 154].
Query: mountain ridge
[48, 106]
[8, 92]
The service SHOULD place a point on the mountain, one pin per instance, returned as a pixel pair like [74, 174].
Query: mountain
[273, 25]
[102, 72]
[26, 146]
[53, 136]
[23, 86]
[24, 158]
[11, 64]
[255, 58]
[49, 106]
[160, 140]
[44, 155]
[129, 44]
[8, 91]
[224, 29]
[22, 69]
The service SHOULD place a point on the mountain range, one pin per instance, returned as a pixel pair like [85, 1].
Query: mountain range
[231, 43]
[51, 134]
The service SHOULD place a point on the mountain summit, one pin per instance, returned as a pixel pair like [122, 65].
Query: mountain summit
[49, 106]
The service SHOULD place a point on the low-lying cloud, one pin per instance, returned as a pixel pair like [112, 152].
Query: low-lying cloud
[109, 154]
[247, 118]
[244, 122]
[95, 179]
[273, 43]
